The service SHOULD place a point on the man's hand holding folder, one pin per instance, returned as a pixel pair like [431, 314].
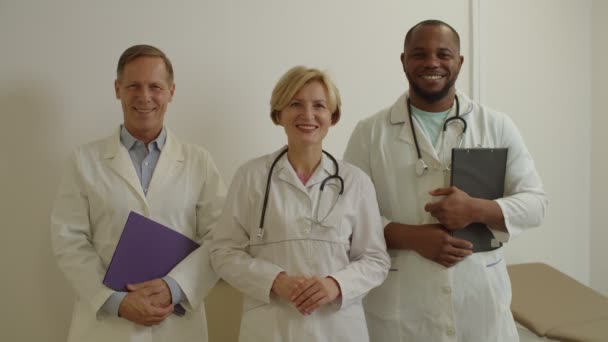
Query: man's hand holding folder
[468, 206]
[147, 303]
[146, 251]
[434, 242]
[455, 211]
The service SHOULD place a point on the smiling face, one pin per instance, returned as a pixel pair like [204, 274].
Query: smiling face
[431, 61]
[145, 91]
[307, 118]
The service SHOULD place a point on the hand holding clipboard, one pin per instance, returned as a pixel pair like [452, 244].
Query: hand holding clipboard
[480, 172]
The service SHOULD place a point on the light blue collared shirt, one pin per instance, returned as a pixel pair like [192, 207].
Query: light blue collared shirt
[431, 123]
[144, 160]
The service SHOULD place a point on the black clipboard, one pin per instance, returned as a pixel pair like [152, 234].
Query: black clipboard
[480, 172]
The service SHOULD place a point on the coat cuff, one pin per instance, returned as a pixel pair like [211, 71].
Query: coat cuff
[176, 292]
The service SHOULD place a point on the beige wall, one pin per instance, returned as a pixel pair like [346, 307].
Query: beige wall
[58, 61]
[535, 58]
[56, 76]
[599, 161]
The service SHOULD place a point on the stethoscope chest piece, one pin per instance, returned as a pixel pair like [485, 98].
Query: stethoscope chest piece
[421, 167]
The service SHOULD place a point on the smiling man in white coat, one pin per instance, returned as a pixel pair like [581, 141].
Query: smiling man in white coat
[438, 290]
[144, 168]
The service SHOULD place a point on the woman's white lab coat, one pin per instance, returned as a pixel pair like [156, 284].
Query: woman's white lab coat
[96, 194]
[422, 300]
[348, 245]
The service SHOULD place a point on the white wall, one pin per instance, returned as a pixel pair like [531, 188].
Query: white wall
[599, 162]
[58, 62]
[535, 58]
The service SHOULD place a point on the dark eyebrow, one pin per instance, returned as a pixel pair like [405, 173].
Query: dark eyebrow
[416, 49]
[446, 50]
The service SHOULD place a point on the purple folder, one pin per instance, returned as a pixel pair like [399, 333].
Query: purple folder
[146, 250]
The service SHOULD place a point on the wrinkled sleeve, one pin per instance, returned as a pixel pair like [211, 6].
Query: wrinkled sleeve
[194, 274]
[71, 237]
[369, 259]
[525, 200]
[230, 247]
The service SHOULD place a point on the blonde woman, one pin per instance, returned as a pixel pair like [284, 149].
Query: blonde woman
[300, 235]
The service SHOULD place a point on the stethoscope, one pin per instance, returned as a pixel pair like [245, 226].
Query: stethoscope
[328, 178]
[421, 166]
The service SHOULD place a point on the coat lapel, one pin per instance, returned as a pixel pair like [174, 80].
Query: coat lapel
[286, 173]
[325, 169]
[400, 115]
[170, 161]
[120, 161]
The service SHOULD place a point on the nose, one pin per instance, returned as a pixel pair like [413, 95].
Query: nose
[144, 94]
[309, 110]
[431, 61]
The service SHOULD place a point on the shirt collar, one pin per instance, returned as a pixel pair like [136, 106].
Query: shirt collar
[398, 111]
[128, 140]
[325, 169]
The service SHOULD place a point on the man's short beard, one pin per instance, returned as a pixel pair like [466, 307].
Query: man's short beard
[432, 97]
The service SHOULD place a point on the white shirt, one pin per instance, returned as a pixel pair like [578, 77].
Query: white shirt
[421, 300]
[348, 246]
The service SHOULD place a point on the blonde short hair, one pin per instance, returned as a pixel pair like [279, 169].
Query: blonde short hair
[293, 81]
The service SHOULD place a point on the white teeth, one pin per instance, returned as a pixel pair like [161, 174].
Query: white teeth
[432, 77]
[307, 126]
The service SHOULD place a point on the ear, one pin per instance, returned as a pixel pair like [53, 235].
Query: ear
[402, 59]
[117, 89]
[460, 64]
[335, 117]
[171, 91]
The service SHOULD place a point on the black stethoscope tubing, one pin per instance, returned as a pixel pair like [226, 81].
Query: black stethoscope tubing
[445, 124]
[334, 176]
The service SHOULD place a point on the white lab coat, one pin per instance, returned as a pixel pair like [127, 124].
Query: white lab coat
[422, 300]
[349, 246]
[96, 194]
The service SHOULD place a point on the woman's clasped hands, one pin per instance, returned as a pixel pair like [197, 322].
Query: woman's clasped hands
[306, 293]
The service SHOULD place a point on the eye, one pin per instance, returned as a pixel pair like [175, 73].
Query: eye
[417, 55]
[444, 54]
[294, 104]
[320, 106]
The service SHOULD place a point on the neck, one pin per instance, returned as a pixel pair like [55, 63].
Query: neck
[145, 136]
[441, 105]
[304, 160]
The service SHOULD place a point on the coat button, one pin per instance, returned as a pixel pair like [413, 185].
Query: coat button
[446, 290]
[450, 331]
